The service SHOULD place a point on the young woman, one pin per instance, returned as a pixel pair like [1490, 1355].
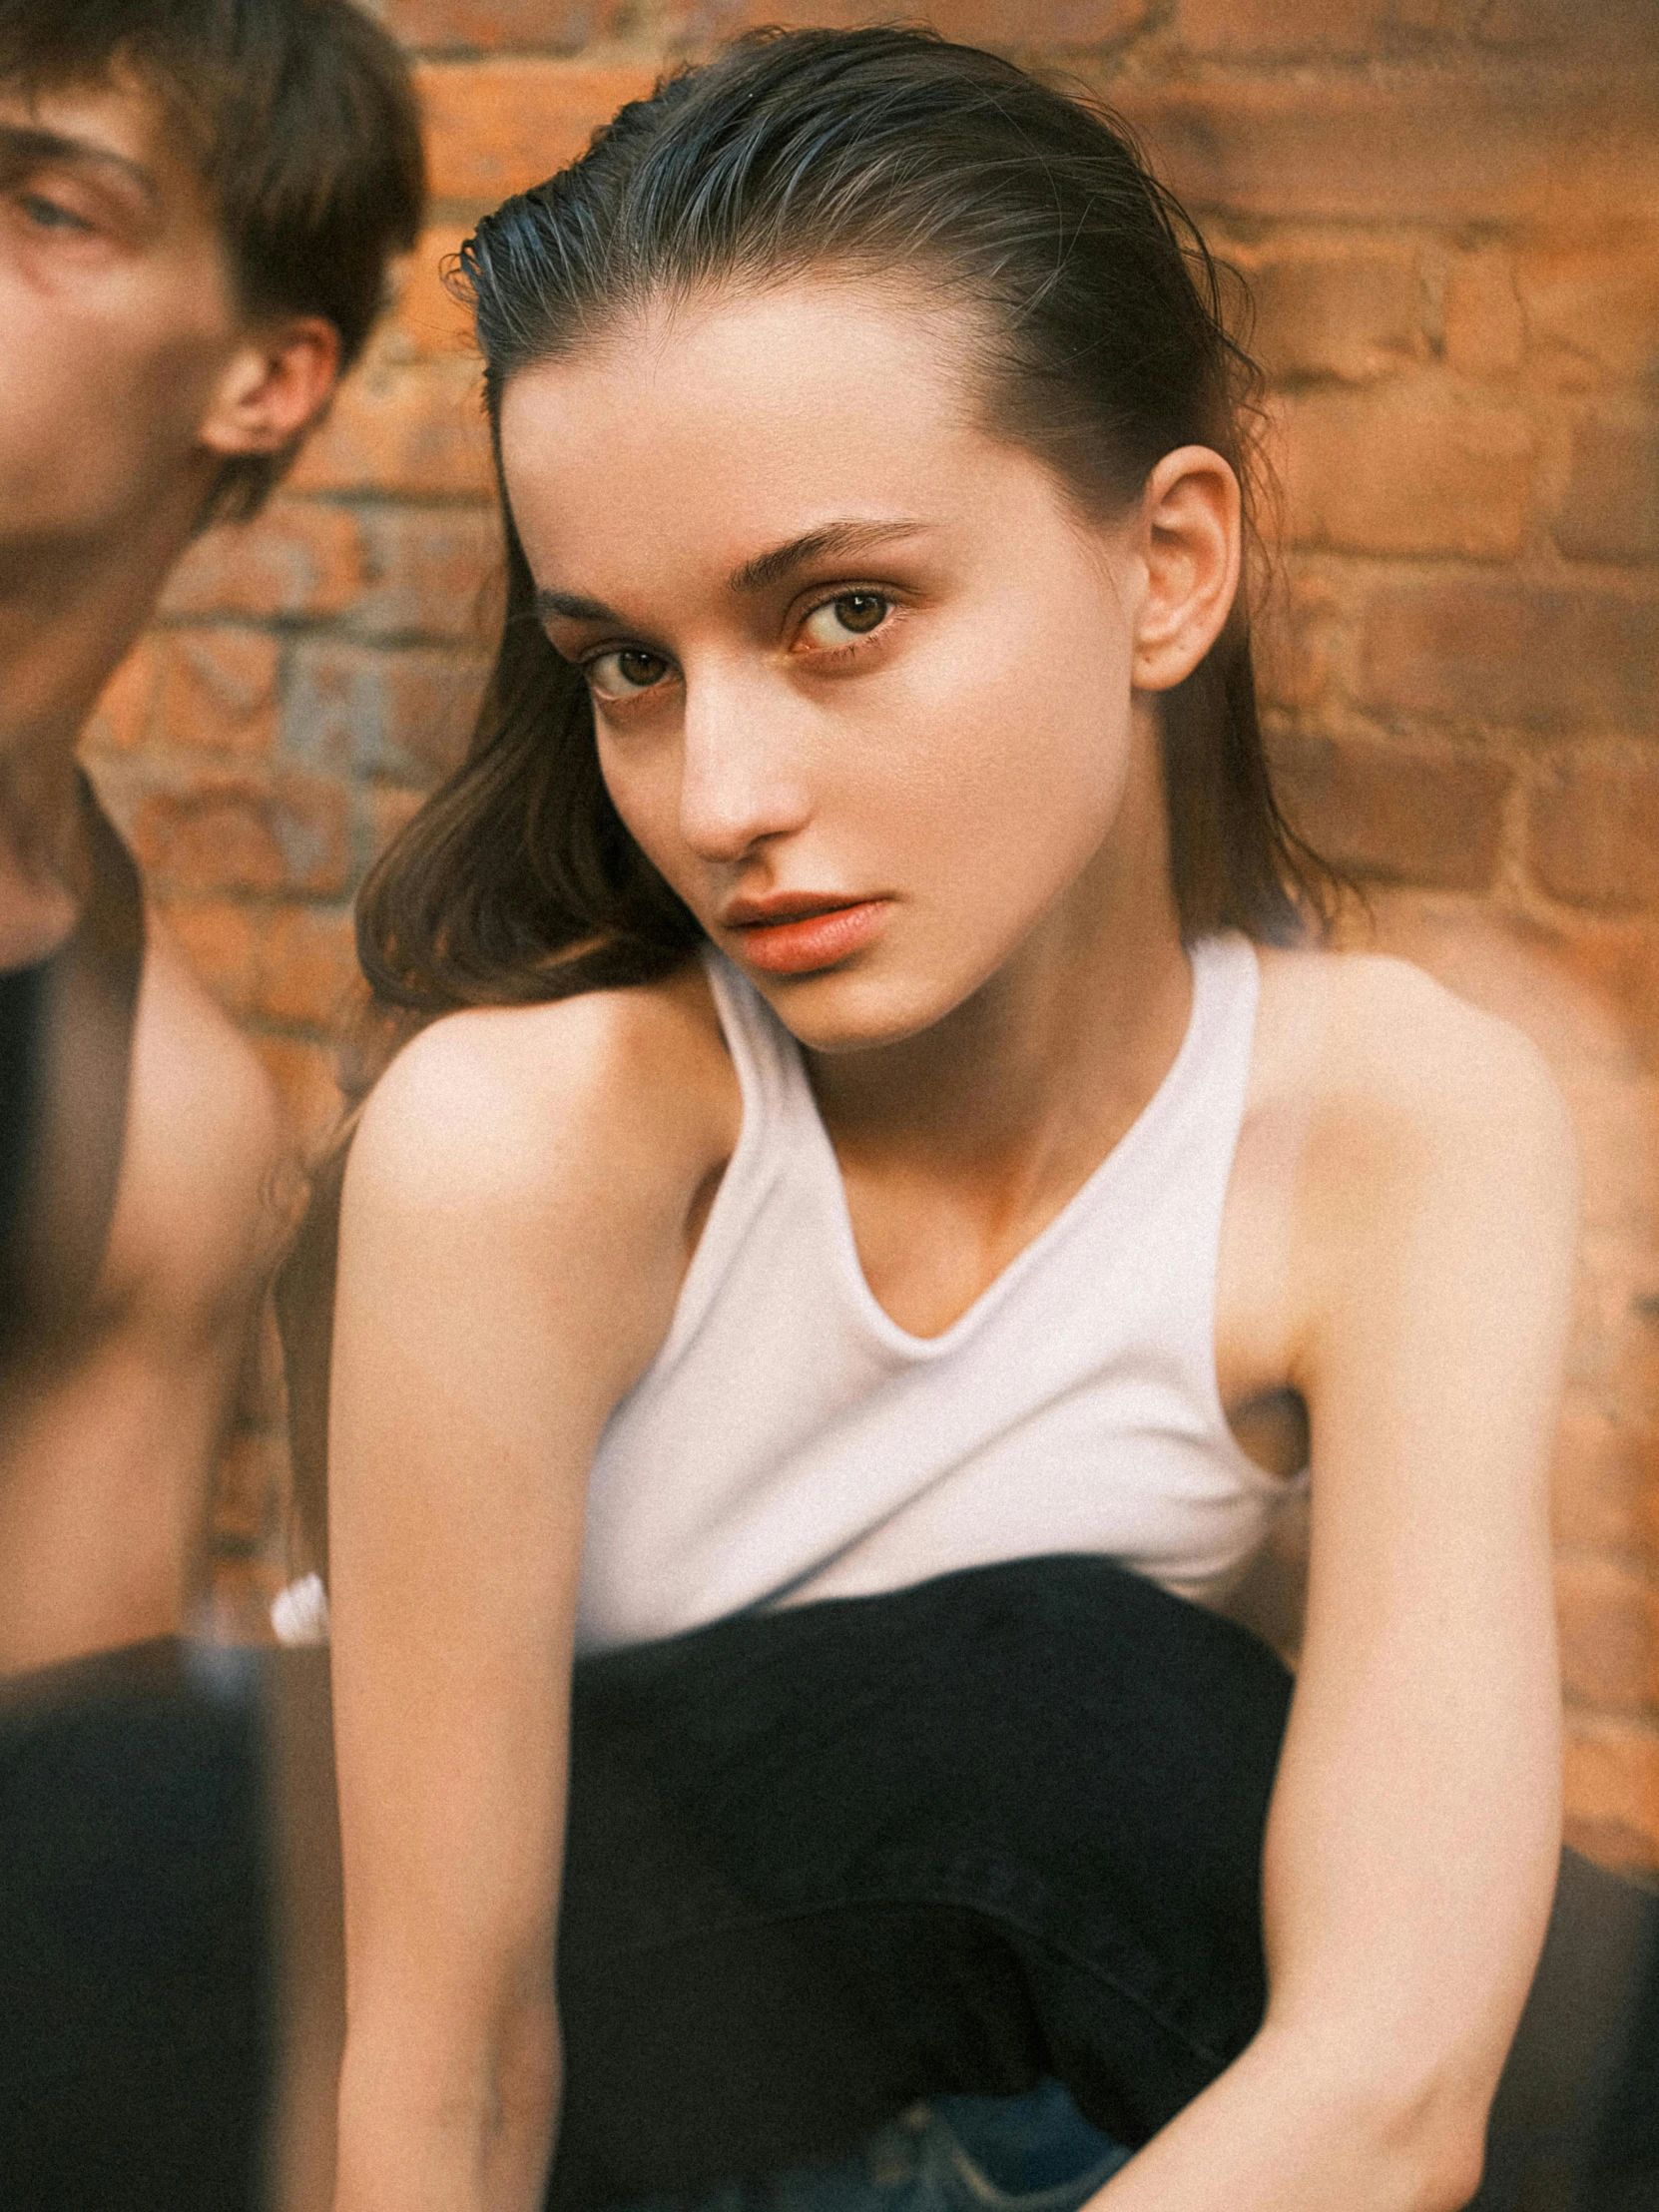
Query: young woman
[888, 1127]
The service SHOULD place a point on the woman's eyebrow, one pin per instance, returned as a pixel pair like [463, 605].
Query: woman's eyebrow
[22, 148]
[851, 536]
[766, 569]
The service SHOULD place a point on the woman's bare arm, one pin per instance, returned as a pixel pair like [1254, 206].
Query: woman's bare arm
[1412, 1841]
[514, 1232]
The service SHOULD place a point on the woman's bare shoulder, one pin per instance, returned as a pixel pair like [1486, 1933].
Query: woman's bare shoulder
[1364, 1039]
[615, 1095]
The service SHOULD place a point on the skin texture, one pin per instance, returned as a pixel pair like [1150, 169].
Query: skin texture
[954, 726]
[130, 375]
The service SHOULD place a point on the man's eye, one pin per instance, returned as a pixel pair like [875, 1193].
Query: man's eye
[619, 674]
[49, 215]
[853, 613]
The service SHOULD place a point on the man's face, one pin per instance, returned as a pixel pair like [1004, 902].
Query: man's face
[118, 315]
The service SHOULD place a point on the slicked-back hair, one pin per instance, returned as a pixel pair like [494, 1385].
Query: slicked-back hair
[302, 120]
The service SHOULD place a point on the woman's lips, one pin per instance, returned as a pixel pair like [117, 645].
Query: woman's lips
[797, 944]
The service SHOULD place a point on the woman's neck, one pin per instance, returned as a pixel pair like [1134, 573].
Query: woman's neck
[1026, 1085]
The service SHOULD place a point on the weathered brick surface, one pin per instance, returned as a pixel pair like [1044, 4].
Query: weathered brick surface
[1376, 809]
[1533, 656]
[1609, 1624]
[1448, 212]
[297, 559]
[1609, 511]
[410, 427]
[245, 832]
[1063, 26]
[1594, 832]
[1412, 467]
[1333, 309]
[1289, 30]
[399, 716]
[498, 125]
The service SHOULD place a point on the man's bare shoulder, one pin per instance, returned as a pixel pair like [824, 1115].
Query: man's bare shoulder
[198, 1211]
[610, 1100]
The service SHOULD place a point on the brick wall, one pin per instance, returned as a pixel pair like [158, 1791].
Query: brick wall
[1448, 211]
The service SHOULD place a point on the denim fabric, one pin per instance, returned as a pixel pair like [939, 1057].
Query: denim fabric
[1031, 2153]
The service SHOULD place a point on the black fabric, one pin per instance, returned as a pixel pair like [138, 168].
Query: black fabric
[825, 1861]
[828, 1861]
[134, 1976]
[66, 1042]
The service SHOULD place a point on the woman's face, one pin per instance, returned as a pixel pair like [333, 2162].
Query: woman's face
[862, 678]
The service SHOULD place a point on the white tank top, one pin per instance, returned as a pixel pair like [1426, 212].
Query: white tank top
[790, 1441]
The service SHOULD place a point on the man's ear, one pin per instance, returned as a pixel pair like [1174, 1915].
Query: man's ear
[274, 389]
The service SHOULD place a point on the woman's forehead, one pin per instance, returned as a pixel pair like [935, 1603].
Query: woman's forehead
[743, 417]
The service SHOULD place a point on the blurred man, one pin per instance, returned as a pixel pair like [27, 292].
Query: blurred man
[199, 200]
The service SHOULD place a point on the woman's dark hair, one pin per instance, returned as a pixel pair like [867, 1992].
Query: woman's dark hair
[1099, 344]
[302, 121]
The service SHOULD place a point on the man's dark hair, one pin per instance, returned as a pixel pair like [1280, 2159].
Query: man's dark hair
[303, 124]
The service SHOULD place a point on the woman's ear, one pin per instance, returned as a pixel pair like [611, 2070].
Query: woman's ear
[274, 389]
[1191, 536]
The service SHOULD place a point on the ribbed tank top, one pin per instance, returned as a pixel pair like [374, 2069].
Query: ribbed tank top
[790, 1441]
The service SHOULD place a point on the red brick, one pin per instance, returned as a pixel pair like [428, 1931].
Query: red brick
[1609, 1624]
[307, 968]
[498, 125]
[1591, 299]
[220, 938]
[1605, 1485]
[435, 574]
[1593, 832]
[1610, 26]
[1333, 312]
[1294, 637]
[1617, 1122]
[297, 558]
[388, 812]
[428, 323]
[554, 26]
[1379, 809]
[1065, 26]
[414, 427]
[304, 1074]
[1286, 30]
[245, 833]
[1400, 148]
[1406, 468]
[216, 691]
[404, 714]
[206, 691]
[1482, 322]
[1515, 654]
[120, 720]
[1610, 508]
[1612, 1789]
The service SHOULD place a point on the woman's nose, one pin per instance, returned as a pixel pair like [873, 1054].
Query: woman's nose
[740, 779]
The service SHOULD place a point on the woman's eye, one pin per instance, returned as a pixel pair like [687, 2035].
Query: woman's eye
[629, 668]
[855, 614]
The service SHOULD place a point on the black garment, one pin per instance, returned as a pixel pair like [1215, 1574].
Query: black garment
[828, 1861]
[66, 1041]
[821, 1862]
[135, 1985]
